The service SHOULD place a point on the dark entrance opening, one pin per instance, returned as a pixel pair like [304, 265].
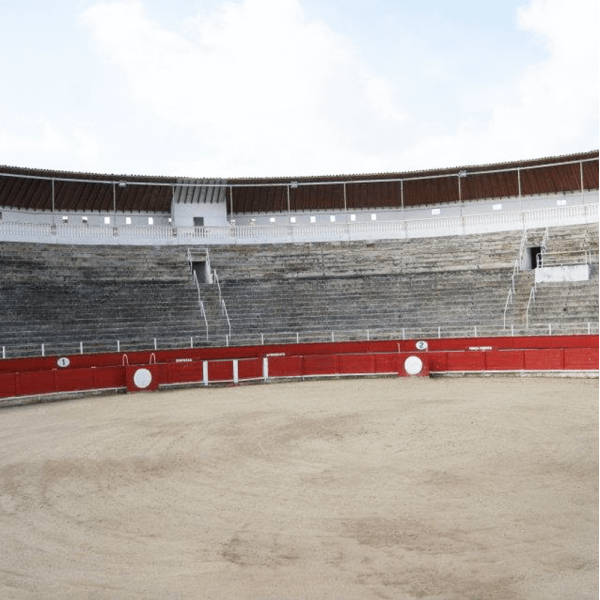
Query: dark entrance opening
[202, 271]
[530, 259]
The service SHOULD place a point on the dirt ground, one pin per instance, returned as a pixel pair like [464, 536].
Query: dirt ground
[445, 489]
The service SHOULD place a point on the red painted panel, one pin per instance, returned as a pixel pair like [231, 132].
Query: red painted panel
[438, 362]
[69, 380]
[251, 368]
[321, 364]
[465, 361]
[506, 360]
[109, 377]
[35, 382]
[220, 370]
[386, 363]
[544, 360]
[184, 372]
[355, 363]
[581, 358]
[285, 366]
[8, 385]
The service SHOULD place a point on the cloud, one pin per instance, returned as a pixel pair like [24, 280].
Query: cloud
[264, 90]
[551, 107]
[262, 87]
[39, 142]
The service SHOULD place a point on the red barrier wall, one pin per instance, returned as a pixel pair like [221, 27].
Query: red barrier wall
[23, 377]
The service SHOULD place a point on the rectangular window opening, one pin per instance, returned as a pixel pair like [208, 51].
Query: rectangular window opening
[198, 221]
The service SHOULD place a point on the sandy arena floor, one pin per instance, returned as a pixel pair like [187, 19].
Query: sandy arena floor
[445, 489]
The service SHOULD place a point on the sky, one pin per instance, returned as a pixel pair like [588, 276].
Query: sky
[283, 88]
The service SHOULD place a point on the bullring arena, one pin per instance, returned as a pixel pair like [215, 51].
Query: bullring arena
[356, 387]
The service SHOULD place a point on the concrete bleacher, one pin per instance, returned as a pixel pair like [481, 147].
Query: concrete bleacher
[109, 297]
[104, 297]
[393, 285]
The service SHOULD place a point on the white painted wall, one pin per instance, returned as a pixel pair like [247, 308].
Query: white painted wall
[214, 213]
[562, 274]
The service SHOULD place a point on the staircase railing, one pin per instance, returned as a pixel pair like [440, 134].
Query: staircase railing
[529, 303]
[200, 303]
[509, 300]
[222, 302]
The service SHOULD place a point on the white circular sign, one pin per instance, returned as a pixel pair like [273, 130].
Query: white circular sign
[413, 365]
[421, 345]
[142, 378]
[63, 362]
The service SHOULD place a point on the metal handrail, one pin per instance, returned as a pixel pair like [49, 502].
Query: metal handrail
[576, 255]
[509, 300]
[216, 277]
[458, 331]
[200, 303]
[224, 310]
[529, 302]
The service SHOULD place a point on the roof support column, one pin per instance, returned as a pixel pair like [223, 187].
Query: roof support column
[402, 199]
[53, 201]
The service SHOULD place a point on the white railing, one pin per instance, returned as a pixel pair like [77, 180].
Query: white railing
[222, 304]
[434, 226]
[529, 303]
[200, 303]
[50, 348]
[509, 300]
[562, 259]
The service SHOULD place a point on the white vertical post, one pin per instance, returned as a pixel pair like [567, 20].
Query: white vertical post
[549, 328]
[332, 337]
[403, 334]
[80, 347]
[205, 372]
[266, 368]
[4, 347]
[368, 335]
[191, 341]
[262, 339]
[475, 330]
[43, 350]
[227, 339]
[439, 332]
[512, 330]
[589, 331]
[297, 338]
[155, 344]
[118, 346]
[236, 376]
